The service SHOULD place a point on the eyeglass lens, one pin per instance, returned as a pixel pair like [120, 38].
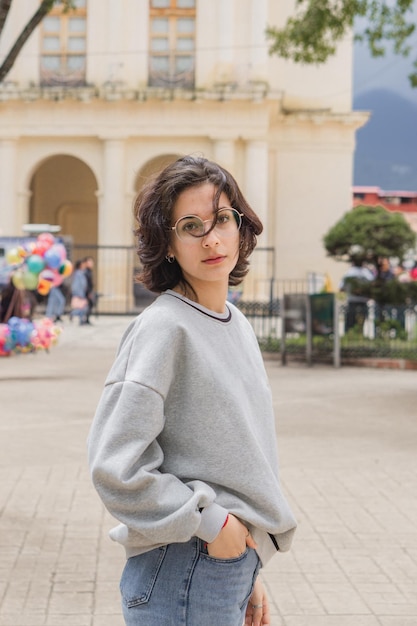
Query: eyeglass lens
[226, 221]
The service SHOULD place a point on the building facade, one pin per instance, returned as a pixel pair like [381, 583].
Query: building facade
[404, 202]
[104, 95]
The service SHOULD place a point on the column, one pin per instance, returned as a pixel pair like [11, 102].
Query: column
[114, 266]
[225, 32]
[256, 192]
[225, 42]
[224, 154]
[113, 216]
[256, 182]
[23, 207]
[9, 224]
[258, 45]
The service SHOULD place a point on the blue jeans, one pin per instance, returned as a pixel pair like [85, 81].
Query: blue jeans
[181, 585]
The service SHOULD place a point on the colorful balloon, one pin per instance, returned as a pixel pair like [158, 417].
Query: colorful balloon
[35, 263]
[22, 335]
[17, 279]
[53, 258]
[46, 238]
[44, 287]
[30, 280]
[66, 268]
[60, 248]
[6, 343]
[13, 257]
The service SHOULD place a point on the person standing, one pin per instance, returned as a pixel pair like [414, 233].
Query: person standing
[182, 447]
[55, 305]
[91, 296]
[79, 285]
[354, 283]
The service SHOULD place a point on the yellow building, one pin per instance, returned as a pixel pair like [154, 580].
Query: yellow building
[102, 96]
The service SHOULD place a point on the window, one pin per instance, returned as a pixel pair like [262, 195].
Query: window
[172, 43]
[63, 45]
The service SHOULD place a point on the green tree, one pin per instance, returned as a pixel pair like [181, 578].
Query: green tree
[43, 9]
[312, 34]
[367, 233]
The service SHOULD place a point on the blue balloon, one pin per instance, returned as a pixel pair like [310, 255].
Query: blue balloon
[52, 259]
[14, 322]
[24, 333]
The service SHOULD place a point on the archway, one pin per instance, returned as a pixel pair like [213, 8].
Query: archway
[64, 193]
[153, 166]
[142, 296]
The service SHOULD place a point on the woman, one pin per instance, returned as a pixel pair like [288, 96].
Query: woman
[79, 286]
[182, 447]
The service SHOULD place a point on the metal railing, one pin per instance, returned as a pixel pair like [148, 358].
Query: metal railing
[388, 331]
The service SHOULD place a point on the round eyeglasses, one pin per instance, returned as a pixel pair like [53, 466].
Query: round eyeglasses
[226, 221]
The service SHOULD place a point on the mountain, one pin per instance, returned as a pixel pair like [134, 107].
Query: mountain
[386, 147]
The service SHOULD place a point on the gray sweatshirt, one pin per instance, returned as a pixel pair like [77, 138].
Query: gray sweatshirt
[184, 432]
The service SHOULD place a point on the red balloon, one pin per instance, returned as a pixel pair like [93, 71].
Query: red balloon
[47, 238]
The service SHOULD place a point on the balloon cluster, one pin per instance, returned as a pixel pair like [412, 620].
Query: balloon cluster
[40, 265]
[22, 335]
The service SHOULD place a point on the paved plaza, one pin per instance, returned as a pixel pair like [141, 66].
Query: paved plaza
[348, 451]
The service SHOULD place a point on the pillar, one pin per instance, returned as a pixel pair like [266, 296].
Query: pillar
[224, 154]
[114, 264]
[113, 214]
[258, 283]
[258, 45]
[9, 224]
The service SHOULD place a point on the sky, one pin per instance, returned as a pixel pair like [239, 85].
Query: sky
[388, 72]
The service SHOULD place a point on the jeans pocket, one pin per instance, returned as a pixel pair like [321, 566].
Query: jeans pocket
[234, 559]
[139, 576]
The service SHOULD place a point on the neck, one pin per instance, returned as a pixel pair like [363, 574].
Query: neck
[212, 296]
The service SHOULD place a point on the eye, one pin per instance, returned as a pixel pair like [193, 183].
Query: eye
[190, 225]
[223, 217]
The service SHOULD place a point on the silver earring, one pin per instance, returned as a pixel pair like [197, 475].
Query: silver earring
[170, 258]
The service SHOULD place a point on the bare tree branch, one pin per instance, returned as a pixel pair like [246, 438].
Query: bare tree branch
[4, 10]
[37, 17]
[44, 8]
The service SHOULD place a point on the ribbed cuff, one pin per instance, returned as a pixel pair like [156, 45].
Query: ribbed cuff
[212, 520]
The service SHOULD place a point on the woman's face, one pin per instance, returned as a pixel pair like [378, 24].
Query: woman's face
[209, 259]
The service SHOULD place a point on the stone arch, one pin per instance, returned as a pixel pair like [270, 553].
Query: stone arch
[142, 296]
[63, 191]
[152, 166]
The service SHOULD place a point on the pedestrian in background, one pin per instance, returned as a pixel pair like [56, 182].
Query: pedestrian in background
[79, 285]
[55, 305]
[91, 295]
[182, 448]
[354, 283]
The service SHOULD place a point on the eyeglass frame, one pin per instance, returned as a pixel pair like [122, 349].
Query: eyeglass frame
[213, 225]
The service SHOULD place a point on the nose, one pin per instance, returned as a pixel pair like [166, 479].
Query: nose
[211, 238]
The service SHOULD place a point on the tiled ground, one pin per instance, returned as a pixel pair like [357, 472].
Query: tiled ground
[347, 441]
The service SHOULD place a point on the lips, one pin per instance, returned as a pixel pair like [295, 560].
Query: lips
[214, 260]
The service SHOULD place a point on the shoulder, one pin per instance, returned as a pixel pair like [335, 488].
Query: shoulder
[157, 325]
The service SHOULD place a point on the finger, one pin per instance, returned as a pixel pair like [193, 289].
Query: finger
[257, 614]
[266, 618]
[250, 542]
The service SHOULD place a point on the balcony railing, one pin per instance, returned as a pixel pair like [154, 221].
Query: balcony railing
[63, 70]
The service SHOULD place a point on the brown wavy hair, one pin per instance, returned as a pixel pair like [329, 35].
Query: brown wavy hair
[153, 210]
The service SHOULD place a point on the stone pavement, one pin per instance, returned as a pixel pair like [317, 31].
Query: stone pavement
[347, 441]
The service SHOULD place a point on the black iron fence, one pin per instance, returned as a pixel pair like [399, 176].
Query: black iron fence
[388, 331]
[371, 331]
[118, 293]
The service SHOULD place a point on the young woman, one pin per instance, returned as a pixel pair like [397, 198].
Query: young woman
[182, 448]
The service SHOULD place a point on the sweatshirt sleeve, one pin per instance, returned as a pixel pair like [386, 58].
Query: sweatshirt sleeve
[125, 460]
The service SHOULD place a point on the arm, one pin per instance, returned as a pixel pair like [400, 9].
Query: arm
[125, 459]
